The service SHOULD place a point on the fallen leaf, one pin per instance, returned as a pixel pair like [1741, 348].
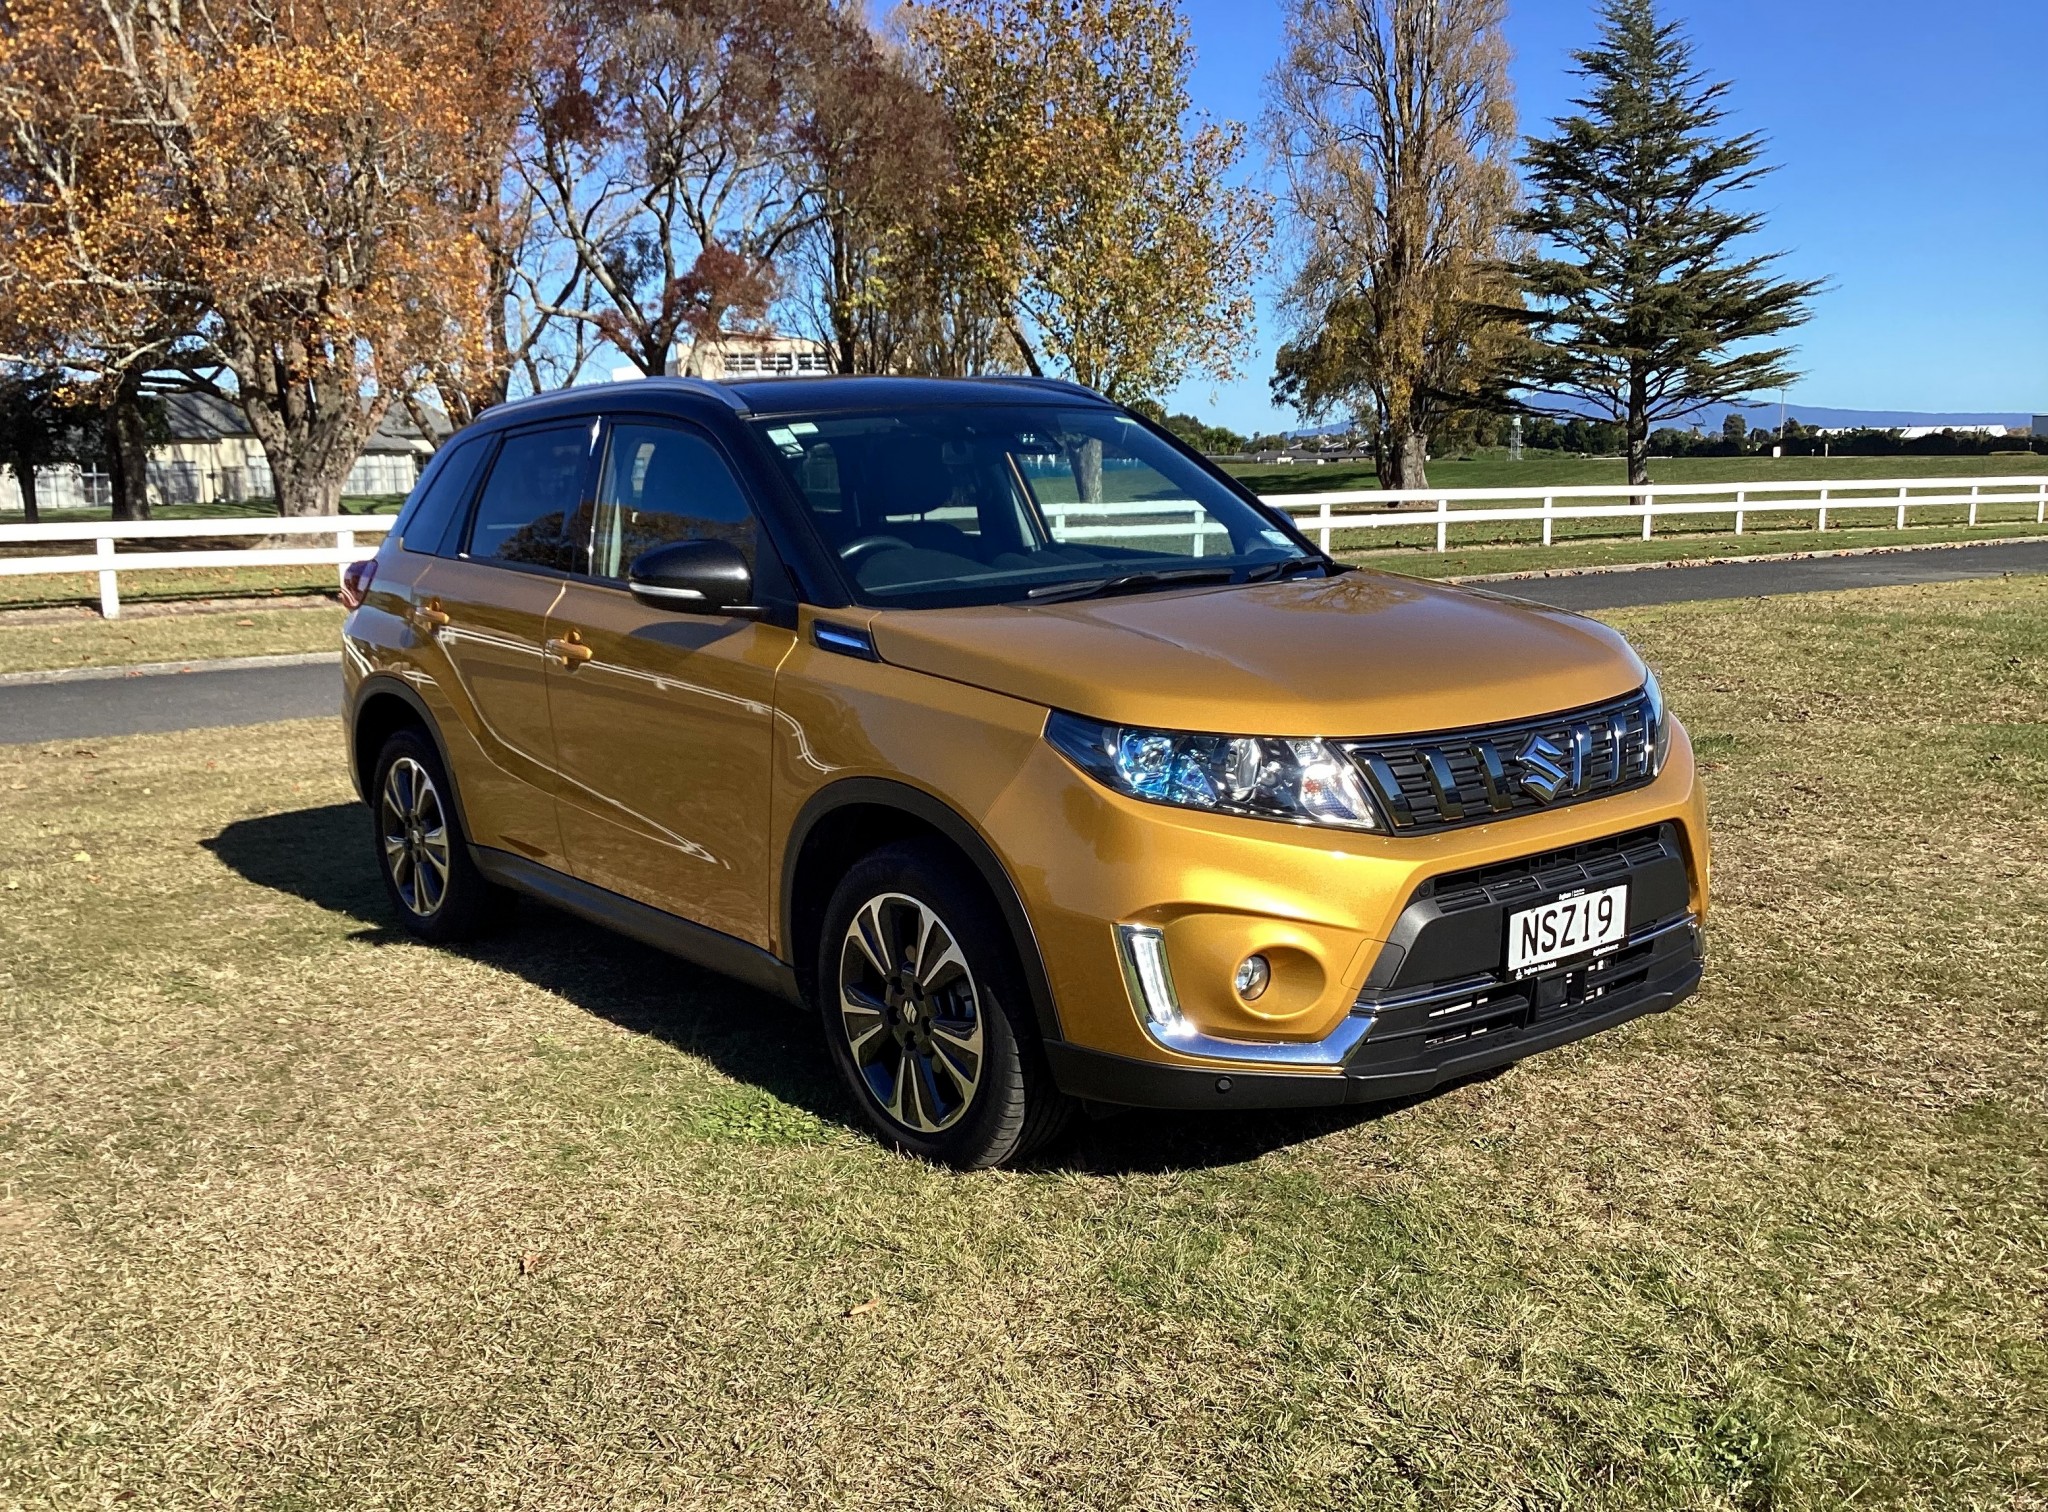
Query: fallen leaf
[245, 622]
[81, 855]
[866, 1307]
[530, 1262]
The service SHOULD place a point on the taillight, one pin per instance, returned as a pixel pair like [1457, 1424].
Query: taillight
[355, 581]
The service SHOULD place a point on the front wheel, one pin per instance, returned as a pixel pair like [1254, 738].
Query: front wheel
[927, 1015]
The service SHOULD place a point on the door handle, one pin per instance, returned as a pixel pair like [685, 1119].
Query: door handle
[431, 614]
[568, 650]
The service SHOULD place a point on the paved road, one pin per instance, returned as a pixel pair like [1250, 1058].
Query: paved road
[90, 708]
[130, 705]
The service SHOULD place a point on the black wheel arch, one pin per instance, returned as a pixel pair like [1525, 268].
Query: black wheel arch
[853, 816]
[383, 705]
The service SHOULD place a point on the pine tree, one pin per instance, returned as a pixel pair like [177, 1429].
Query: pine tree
[1651, 306]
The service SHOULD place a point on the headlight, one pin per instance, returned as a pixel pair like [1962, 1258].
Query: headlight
[1300, 781]
[1660, 723]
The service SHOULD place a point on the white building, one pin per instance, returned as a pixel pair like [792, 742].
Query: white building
[213, 457]
[746, 354]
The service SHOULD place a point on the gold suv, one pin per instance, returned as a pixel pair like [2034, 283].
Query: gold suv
[1049, 766]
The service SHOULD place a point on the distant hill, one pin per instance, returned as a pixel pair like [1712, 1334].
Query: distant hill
[1810, 415]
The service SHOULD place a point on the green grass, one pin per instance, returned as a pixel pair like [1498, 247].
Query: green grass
[135, 638]
[1555, 470]
[297, 1214]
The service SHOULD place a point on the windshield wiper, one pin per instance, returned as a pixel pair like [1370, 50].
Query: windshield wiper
[1266, 571]
[1128, 582]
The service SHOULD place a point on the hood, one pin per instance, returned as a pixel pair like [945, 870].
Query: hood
[1363, 653]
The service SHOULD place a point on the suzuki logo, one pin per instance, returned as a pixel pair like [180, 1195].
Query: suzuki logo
[1544, 771]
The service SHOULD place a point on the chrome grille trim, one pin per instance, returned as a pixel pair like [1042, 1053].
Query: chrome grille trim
[1429, 783]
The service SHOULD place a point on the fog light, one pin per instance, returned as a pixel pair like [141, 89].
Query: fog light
[1253, 973]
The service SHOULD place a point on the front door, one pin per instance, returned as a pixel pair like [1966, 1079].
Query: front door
[663, 721]
[484, 611]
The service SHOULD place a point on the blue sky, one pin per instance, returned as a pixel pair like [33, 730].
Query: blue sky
[1914, 177]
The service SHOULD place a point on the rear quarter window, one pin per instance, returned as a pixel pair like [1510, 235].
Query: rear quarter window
[440, 495]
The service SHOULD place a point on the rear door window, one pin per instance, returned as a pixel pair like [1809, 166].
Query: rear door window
[531, 512]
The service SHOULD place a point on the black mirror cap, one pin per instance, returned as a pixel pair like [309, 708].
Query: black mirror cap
[693, 577]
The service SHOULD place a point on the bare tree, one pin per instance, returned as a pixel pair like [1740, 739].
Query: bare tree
[1394, 123]
[666, 158]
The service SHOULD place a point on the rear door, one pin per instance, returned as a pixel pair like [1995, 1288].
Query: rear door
[663, 722]
[485, 609]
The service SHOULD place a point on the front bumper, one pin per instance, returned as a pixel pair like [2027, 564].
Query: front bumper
[1414, 1041]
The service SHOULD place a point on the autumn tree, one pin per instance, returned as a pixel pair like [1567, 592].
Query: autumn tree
[270, 193]
[519, 338]
[1394, 123]
[1091, 204]
[875, 152]
[94, 283]
[1653, 306]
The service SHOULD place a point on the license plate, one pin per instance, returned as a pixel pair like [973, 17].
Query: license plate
[1569, 927]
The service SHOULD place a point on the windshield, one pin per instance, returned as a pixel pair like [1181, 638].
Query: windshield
[984, 504]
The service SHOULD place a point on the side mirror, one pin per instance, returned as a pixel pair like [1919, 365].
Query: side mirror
[693, 577]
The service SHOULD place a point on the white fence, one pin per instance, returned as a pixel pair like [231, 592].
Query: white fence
[1322, 515]
[105, 561]
[1325, 513]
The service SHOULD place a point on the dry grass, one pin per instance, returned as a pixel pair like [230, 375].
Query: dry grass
[45, 642]
[1518, 547]
[294, 1213]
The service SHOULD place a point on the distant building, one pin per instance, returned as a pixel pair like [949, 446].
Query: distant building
[213, 457]
[2041, 425]
[747, 354]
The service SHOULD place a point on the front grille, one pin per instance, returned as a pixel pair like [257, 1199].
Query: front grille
[1415, 1027]
[1437, 782]
[1527, 878]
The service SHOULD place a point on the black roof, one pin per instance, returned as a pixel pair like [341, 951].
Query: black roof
[774, 396]
[769, 396]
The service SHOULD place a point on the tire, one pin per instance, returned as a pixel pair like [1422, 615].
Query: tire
[422, 852]
[916, 971]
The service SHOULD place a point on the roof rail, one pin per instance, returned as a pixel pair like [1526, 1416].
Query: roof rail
[711, 388]
[1029, 380]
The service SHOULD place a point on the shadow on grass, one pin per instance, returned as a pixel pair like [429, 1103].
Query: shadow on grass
[325, 856]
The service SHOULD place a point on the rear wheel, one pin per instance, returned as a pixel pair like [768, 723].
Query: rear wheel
[926, 1013]
[421, 849]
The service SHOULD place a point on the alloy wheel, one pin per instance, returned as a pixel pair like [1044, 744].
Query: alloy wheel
[911, 1012]
[414, 830]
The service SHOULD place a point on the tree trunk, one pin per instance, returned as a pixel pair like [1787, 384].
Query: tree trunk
[305, 491]
[1024, 346]
[310, 417]
[1413, 460]
[128, 449]
[1638, 430]
[25, 480]
[1086, 460]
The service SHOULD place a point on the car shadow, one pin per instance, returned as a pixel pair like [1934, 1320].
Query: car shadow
[324, 855]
